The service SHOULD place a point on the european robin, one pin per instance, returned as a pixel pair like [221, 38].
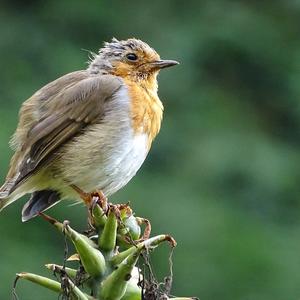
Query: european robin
[88, 130]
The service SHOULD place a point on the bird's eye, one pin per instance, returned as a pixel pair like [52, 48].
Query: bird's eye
[131, 56]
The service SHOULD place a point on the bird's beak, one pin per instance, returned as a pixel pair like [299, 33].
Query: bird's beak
[163, 63]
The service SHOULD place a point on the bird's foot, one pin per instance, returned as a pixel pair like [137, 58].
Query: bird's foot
[99, 198]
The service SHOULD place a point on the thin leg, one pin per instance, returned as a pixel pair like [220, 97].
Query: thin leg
[86, 197]
[89, 198]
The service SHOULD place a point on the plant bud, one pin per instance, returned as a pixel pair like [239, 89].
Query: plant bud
[107, 240]
[91, 258]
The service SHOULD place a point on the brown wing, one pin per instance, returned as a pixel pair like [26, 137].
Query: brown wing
[59, 113]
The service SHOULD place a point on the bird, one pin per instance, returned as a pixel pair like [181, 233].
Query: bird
[88, 130]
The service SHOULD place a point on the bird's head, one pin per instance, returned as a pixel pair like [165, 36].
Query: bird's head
[132, 58]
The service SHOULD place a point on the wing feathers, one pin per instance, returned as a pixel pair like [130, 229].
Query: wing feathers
[56, 114]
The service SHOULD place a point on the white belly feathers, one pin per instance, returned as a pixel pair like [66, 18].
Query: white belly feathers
[110, 152]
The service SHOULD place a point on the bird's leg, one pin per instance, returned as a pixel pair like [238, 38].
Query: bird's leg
[92, 198]
[86, 197]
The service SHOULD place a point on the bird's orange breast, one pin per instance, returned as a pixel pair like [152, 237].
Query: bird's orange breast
[146, 110]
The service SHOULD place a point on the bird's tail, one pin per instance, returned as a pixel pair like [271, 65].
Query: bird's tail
[39, 202]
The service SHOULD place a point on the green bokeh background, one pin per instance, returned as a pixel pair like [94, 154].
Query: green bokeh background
[222, 176]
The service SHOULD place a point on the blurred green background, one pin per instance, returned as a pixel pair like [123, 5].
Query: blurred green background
[223, 175]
